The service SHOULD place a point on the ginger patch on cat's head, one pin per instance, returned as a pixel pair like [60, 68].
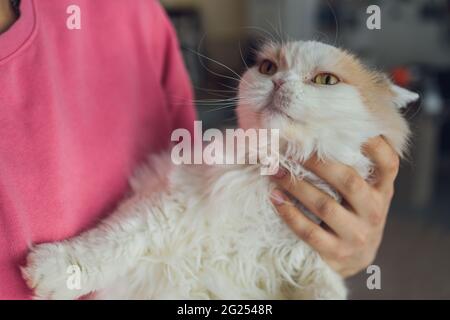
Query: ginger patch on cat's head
[315, 90]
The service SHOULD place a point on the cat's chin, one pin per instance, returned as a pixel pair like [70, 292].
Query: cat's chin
[269, 119]
[279, 120]
[275, 114]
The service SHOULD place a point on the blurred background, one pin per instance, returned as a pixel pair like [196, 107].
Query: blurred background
[413, 46]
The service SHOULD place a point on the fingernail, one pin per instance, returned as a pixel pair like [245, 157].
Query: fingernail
[278, 197]
[280, 173]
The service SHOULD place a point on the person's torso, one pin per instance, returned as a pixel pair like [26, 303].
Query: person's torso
[79, 108]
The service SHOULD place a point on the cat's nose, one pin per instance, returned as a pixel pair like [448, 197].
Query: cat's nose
[277, 84]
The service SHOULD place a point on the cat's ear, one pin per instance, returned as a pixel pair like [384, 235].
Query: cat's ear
[402, 96]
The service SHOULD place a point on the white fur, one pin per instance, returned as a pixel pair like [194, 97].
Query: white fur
[216, 240]
[211, 232]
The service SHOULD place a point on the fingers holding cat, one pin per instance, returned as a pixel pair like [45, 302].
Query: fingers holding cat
[353, 231]
[341, 242]
[386, 162]
[310, 232]
[320, 203]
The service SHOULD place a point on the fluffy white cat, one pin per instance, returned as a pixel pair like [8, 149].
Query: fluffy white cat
[211, 232]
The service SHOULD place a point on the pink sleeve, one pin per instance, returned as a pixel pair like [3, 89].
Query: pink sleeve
[175, 79]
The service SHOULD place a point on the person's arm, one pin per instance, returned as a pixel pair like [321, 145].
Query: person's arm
[174, 76]
[353, 231]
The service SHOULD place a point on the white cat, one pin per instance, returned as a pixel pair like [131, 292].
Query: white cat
[211, 232]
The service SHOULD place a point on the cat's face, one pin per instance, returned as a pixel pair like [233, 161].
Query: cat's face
[316, 94]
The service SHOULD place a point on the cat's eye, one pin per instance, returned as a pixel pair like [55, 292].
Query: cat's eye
[327, 79]
[268, 67]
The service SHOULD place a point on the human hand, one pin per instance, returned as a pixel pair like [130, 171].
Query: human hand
[351, 232]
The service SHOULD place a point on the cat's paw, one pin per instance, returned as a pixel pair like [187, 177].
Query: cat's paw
[48, 271]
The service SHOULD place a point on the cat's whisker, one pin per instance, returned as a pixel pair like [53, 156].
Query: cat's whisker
[215, 90]
[221, 108]
[229, 87]
[242, 57]
[280, 23]
[272, 37]
[200, 55]
[336, 37]
[215, 105]
[214, 102]
[416, 112]
[277, 32]
[220, 95]
[208, 101]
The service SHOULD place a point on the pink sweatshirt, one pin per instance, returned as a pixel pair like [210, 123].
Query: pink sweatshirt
[79, 109]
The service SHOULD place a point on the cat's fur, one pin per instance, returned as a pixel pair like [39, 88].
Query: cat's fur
[211, 232]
